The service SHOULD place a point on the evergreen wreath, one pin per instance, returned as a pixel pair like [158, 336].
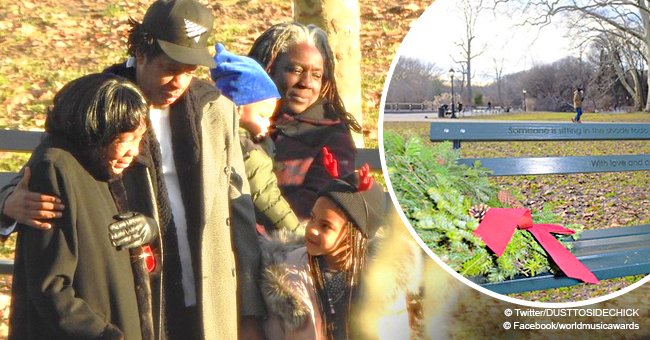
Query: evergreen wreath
[436, 195]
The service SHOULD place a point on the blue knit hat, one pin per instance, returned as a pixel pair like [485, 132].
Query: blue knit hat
[241, 79]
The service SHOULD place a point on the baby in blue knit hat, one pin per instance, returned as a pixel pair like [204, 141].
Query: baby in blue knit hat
[245, 82]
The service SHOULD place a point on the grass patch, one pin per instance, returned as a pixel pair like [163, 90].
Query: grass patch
[231, 33]
[566, 116]
[7, 247]
[12, 162]
[113, 11]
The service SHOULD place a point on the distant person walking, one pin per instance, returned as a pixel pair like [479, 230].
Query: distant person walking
[578, 97]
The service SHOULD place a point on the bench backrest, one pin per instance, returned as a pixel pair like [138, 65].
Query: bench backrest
[26, 141]
[547, 131]
[17, 141]
[608, 253]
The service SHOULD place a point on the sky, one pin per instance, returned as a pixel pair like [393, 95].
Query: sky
[432, 38]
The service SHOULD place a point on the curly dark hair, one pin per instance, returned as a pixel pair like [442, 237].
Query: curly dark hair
[279, 38]
[141, 42]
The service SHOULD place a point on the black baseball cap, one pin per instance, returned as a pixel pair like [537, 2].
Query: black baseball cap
[182, 28]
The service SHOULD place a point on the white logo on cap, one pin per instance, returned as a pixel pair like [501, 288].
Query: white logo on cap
[194, 30]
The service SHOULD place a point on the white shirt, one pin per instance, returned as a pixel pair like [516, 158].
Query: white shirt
[162, 127]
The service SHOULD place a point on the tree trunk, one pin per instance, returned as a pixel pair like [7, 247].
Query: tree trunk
[498, 72]
[645, 21]
[341, 20]
[470, 99]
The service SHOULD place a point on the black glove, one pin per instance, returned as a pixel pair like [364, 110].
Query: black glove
[132, 230]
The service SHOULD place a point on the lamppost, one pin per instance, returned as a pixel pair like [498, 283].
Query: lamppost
[453, 105]
[456, 143]
[524, 93]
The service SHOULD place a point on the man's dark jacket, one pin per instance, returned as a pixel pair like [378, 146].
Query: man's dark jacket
[185, 119]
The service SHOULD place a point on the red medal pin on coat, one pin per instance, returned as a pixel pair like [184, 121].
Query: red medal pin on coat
[149, 259]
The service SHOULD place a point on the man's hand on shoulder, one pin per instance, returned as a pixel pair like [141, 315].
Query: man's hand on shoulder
[32, 208]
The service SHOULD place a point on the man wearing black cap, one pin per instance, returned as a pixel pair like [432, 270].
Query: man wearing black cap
[193, 160]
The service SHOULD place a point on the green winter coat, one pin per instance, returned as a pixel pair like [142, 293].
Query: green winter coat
[271, 209]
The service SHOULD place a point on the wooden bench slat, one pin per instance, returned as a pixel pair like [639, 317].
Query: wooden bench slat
[561, 165]
[536, 131]
[606, 267]
[370, 156]
[616, 263]
[608, 253]
[600, 247]
[615, 232]
[6, 267]
[526, 284]
[19, 141]
[6, 177]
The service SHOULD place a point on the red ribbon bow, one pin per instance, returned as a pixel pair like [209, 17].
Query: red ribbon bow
[499, 225]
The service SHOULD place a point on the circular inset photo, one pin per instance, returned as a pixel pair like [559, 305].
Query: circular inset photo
[516, 141]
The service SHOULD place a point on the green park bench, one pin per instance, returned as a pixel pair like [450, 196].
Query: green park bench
[608, 253]
[26, 141]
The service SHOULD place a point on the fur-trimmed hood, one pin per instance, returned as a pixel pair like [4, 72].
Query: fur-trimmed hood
[279, 295]
[284, 260]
